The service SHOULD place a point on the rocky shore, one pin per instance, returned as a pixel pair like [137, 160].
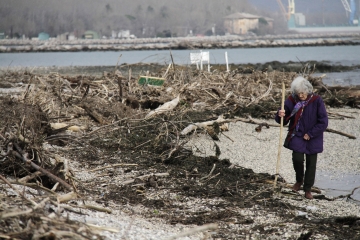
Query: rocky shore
[83, 158]
[213, 42]
[243, 146]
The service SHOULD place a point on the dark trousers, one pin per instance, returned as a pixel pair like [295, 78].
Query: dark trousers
[309, 177]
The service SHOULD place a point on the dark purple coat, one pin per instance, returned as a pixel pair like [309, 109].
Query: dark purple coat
[314, 122]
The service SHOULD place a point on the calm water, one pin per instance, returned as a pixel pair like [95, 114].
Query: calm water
[351, 78]
[345, 55]
[340, 185]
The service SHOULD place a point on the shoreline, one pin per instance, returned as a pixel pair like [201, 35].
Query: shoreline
[189, 191]
[243, 146]
[141, 68]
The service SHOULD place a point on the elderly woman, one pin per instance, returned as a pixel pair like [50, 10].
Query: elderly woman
[307, 117]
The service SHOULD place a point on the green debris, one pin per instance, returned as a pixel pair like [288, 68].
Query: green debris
[156, 81]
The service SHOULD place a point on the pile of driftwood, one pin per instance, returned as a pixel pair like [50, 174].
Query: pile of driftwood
[57, 118]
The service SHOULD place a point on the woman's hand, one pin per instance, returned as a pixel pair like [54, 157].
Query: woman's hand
[306, 137]
[281, 113]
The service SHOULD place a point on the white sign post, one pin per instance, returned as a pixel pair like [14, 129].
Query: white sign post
[200, 58]
[227, 62]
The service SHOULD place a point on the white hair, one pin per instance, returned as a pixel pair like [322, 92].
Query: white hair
[301, 84]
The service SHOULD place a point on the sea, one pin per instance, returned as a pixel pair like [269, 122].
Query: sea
[334, 55]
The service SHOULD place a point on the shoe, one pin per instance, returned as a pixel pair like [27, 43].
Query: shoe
[308, 195]
[296, 186]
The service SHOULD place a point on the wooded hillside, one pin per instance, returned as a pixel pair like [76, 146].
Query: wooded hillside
[149, 18]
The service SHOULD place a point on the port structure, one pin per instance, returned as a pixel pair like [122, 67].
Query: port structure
[290, 11]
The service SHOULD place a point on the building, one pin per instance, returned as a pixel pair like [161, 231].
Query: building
[300, 19]
[66, 36]
[91, 35]
[124, 34]
[43, 36]
[269, 21]
[241, 23]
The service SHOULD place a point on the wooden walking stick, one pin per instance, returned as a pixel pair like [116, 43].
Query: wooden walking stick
[280, 137]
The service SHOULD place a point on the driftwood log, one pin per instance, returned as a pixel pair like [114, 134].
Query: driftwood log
[250, 120]
[19, 153]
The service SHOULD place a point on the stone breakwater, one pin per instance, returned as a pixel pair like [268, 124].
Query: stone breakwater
[214, 42]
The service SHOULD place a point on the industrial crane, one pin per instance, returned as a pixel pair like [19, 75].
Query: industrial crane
[350, 8]
[291, 9]
[346, 5]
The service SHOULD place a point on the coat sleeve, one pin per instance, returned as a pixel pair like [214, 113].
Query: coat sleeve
[322, 120]
[288, 106]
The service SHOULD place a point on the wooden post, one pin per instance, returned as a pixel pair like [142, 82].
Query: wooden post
[227, 62]
[172, 60]
[280, 137]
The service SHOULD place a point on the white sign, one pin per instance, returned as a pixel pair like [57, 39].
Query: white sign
[195, 57]
[200, 58]
[205, 57]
